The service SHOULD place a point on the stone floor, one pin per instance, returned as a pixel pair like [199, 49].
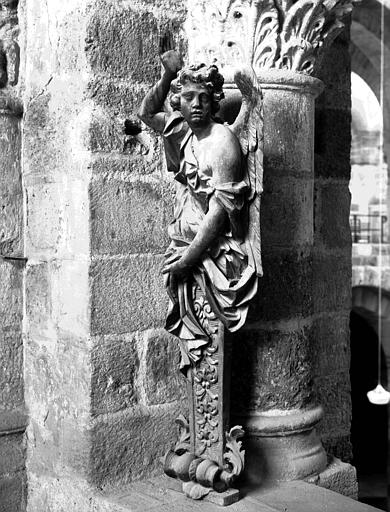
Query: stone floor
[297, 496]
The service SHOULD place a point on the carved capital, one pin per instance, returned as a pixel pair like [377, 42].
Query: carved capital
[279, 34]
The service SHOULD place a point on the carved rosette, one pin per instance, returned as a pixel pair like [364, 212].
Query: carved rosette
[278, 34]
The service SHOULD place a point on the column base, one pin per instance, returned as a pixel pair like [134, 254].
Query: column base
[282, 445]
[338, 477]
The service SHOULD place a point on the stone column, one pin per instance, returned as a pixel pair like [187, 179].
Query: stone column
[13, 417]
[274, 357]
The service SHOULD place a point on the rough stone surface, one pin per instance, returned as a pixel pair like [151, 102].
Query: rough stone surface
[331, 287]
[162, 380]
[338, 477]
[284, 219]
[334, 394]
[12, 449]
[115, 364]
[332, 201]
[11, 370]
[330, 351]
[128, 445]
[113, 29]
[127, 294]
[11, 278]
[11, 198]
[271, 370]
[13, 492]
[286, 287]
[129, 217]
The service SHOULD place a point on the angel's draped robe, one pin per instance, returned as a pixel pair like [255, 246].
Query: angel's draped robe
[225, 273]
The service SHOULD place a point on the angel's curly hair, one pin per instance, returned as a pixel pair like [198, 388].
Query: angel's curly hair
[207, 76]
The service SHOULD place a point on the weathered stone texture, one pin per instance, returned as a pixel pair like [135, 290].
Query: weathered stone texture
[11, 370]
[331, 213]
[162, 381]
[331, 287]
[58, 390]
[129, 217]
[285, 288]
[123, 42]
[330, 344]
[334, 394]
[127, 294]
[12, 449]
[115, 364]
[128, 445]
[11, 198]
[284, 212]
[11, 300]
[13, 492]
[271, 370]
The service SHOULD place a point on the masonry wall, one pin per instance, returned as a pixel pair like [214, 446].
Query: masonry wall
[12, 411]
[332, 250]
[101, 383]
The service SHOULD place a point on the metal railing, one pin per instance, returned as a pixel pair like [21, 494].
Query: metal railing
[368, 229]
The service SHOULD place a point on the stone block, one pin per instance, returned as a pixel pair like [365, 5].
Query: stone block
[338, 477]
[129, 217]
[125, 166]
[338, 444]
[271, 370]
[57, 382]
[122, 42]
[106, 132]
[11, 369]
[287, 150]
[332, 283]
[127, 294]
[57, 219]
[57, 295]
[12, 449]
[334, 394]
[11, 289]
[116, 96]
[11, 198]
[330, 348]
[13, 492]
[331, 214]
[286, 212]
[11, 224]
[285, 290]
[128, 445]
[115, 364]
[332, 143]
[162, 380]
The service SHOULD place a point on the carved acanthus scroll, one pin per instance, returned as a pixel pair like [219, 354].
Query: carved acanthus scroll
[281, 34]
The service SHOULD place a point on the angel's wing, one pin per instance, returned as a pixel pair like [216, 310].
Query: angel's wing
[248, 128]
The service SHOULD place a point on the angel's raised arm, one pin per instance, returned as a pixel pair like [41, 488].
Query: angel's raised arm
[151, 110]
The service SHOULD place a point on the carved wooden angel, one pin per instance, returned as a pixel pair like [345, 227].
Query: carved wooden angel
[215, 234]
[214, 259]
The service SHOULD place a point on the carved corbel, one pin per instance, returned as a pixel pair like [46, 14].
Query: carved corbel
[279, 34]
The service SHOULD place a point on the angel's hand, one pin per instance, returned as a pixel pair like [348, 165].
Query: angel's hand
[176, 266]
[171, 61]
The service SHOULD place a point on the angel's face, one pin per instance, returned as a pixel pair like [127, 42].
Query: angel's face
[195, 104]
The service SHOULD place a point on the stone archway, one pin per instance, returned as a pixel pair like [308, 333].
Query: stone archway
[369, 429]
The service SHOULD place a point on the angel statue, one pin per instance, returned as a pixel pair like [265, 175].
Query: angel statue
[213, 261]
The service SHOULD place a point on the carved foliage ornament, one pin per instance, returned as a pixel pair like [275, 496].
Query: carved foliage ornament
[281, 34]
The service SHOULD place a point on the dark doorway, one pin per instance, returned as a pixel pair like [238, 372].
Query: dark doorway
[369, 430]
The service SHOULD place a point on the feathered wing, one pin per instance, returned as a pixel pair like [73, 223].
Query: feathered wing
[248, 128]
